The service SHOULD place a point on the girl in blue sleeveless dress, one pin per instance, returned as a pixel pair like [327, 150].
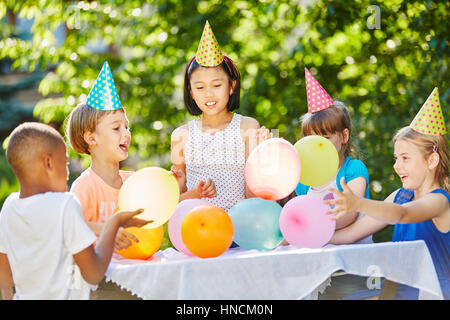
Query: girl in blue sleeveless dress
[420, 209]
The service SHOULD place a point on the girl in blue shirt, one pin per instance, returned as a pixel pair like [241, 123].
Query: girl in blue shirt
[334, 123]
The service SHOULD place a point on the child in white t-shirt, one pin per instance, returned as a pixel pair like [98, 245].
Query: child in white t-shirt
[46, 248]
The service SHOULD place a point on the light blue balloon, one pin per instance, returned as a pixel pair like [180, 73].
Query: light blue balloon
[256, 224]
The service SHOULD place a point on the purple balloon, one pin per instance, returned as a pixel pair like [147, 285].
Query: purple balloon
[304, 222]
[175, 221]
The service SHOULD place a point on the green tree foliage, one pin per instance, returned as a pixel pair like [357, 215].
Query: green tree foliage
[383, 74]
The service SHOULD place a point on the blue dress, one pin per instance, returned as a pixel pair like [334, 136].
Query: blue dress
[438, 244]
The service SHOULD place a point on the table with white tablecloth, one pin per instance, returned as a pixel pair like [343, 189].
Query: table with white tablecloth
[282, 273]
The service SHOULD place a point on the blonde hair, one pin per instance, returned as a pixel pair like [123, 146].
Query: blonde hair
[84, 119]
[330, 121]
[428, 144]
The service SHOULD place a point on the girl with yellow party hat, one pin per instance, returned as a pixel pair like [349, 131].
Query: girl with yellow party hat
[209, 153]
[420, 210]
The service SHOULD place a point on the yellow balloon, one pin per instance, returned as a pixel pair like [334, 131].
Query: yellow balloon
[153, 189]
[319, 160]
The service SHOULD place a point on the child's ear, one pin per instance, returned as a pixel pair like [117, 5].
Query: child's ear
[345, 136]
[47, 160]
[233, 84]
[89, 138]
[433, 160]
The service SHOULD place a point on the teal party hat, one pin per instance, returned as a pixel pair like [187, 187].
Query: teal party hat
[103, 95]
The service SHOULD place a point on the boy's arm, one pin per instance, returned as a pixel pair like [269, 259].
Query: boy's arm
[6, 279]
[94, 262]
[96, 227]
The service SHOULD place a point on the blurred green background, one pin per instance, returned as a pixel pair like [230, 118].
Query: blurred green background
[381, 58]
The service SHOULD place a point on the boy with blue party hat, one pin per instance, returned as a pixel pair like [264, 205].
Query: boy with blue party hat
[100, 128]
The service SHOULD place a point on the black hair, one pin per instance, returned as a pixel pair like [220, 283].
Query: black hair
[233, 73]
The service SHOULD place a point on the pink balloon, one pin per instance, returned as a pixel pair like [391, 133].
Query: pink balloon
[304, 222]
[272, 170]
[175, 221]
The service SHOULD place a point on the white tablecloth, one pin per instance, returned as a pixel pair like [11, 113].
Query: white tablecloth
[283, 273]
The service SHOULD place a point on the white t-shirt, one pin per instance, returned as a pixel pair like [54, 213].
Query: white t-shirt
[40, 234]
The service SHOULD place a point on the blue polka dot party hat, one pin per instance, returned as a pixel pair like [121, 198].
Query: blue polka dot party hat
[103, 95]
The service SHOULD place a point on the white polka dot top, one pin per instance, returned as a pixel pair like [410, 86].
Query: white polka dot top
[219, 157]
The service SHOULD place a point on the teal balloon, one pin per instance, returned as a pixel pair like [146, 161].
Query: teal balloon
[256, 224]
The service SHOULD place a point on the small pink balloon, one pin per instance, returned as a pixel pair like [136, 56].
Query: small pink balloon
[304, 222]
[272, 170]
[175, 221]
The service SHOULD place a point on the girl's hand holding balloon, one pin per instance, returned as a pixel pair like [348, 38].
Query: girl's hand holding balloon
[256, 136]
[346, 202]
[263, 134]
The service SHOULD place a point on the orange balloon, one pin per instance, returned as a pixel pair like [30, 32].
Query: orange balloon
[207, 231]
[150, 241]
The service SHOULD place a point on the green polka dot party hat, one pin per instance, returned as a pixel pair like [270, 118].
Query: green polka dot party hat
[430, 120]
[208, 52]
[103, 95]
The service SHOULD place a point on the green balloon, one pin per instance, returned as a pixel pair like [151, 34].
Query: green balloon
[319, 160]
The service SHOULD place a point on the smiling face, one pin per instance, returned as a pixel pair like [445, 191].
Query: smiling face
[111, 138]
[410, 164]
[211, 89]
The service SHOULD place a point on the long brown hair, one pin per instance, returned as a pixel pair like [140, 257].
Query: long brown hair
[428, 144]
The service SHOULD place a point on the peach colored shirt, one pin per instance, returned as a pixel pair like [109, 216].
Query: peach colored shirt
[98, 199]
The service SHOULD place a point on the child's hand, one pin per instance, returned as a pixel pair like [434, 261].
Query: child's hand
[126, 219]
[206, 189]
[123, 239]
[256, 136]
[346, 202]
[263, 134]
[180, 176]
